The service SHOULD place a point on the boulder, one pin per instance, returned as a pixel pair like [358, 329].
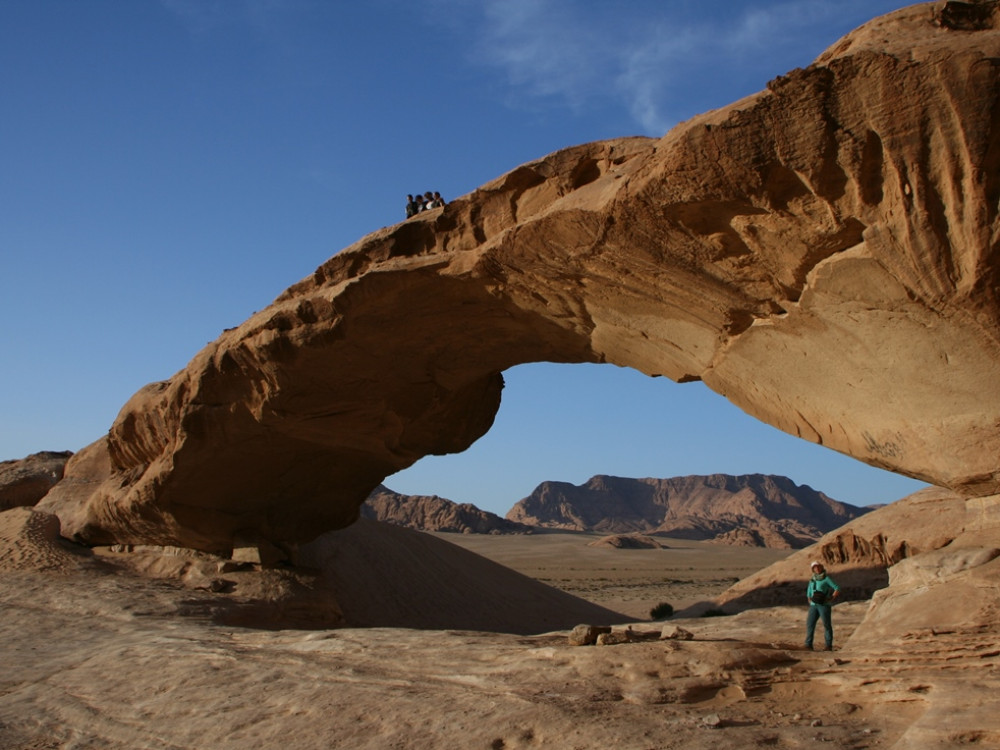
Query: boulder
[616, 638]
[675, 633]
[587, 635]
[248, 549]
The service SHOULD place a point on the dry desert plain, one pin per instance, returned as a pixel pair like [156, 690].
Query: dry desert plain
[97, 655]
[683, 573]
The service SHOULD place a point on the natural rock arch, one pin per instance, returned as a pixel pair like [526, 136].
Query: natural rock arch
[825, 254]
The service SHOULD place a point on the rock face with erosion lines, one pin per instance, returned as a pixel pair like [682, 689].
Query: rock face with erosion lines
[823, 253]
[433, 513]
[860, 554]
[751, 510]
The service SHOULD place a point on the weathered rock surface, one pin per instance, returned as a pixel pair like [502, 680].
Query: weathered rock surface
[860, 555]
[730, 509]
[823, 253]
[25, 481]
[433, 513]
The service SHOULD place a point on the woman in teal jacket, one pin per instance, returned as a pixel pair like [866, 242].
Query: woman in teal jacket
[821, 593]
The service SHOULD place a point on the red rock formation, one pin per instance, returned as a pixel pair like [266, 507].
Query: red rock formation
[750, 510]
[823, 253]
[433, 513]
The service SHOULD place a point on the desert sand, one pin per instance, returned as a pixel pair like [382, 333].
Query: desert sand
[631, 581]
[135, 649]
[121, 667]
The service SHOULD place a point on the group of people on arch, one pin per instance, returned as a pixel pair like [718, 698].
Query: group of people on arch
[423, 202]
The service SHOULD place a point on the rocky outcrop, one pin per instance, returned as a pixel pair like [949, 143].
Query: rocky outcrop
[627, 541]
[433, 513]
[741, 538]
[754, 509]
[823, 253]
[860, 555]
[943, 589]
[24, 482]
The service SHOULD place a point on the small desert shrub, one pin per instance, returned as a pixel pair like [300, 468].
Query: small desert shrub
[661, 611]
[713, 613]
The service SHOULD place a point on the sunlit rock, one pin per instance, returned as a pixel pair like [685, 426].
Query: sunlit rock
[823, 253]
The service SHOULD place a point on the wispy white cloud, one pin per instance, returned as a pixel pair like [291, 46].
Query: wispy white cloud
[544, 47]
[644, 54]
[649, 69]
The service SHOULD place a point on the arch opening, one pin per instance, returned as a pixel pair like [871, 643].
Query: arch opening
[562, 422]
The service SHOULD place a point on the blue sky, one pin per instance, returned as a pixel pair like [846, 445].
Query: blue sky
[167, 167]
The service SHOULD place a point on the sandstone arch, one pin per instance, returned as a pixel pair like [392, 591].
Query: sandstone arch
[824, 253]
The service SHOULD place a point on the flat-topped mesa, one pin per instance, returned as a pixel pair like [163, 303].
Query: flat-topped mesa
[824, 253]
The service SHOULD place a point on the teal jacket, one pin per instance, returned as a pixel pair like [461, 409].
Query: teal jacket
[821, 584]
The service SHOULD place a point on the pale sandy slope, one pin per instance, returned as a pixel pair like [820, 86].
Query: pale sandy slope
[112, 663]
[96, 656]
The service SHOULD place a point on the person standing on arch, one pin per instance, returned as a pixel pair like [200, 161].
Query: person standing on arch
[821, 592]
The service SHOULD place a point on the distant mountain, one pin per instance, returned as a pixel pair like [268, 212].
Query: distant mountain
[433, 513]
[750, 510]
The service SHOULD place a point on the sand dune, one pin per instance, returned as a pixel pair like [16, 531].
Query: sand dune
[389, 576]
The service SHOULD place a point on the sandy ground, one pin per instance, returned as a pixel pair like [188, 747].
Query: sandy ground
[631, 581]
[96, 656]
[121, 663]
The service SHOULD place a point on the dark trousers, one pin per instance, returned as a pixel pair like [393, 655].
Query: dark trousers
[817, 611]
